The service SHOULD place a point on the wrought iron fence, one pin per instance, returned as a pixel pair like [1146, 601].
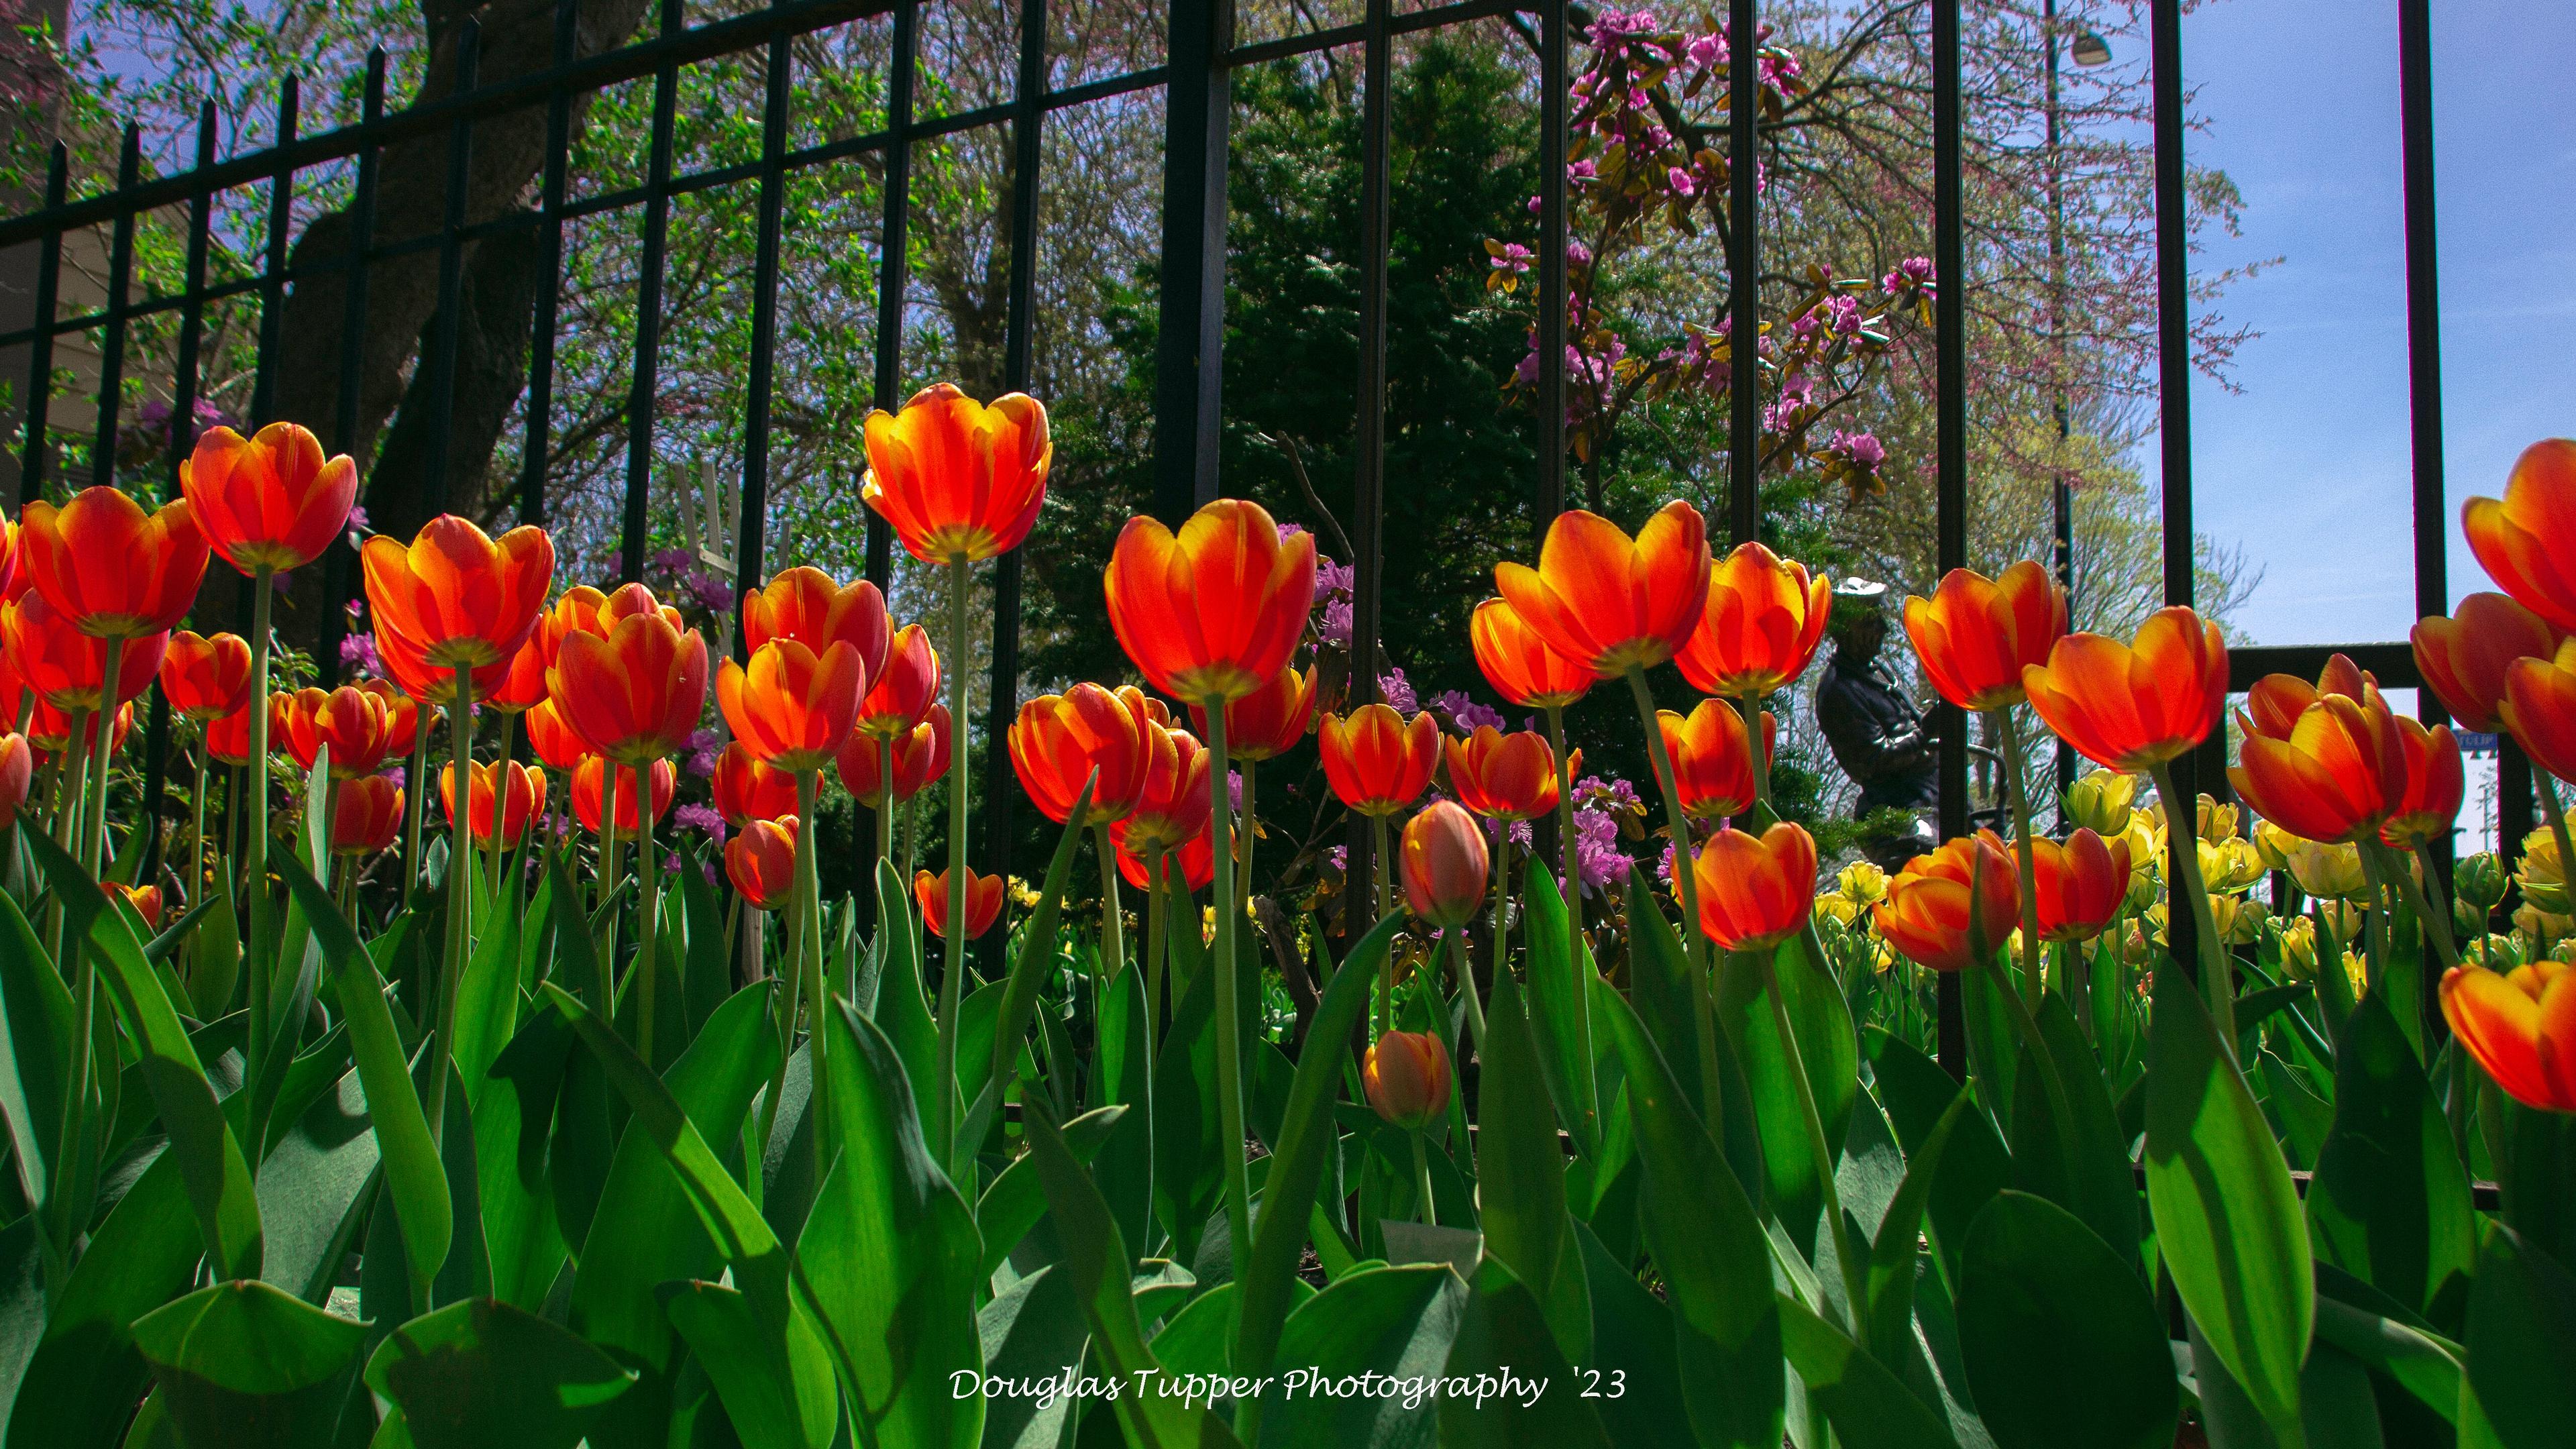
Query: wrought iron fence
[1202, 52]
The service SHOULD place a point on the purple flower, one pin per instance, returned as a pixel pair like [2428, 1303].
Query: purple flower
[1460, 713]
[704, 747]
[1598, 861]
[1340, 856]
[1579, 174]
[701, 818]
[1397, 691]
[358, 651]
[396, 773]
[1337, 622]
[1911, 273]
[1513, 258]
[1860, 450]
[1288, 531]
[1234, 790]
[1577, 255]
[1842, 314]
[1333, 580]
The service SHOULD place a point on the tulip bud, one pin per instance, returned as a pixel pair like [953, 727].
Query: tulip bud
[2542, 878]
[2299, 949]
[2343, 918]
[1444, 864]
[1406, 1075]
[2102, 801]
[2479, 880]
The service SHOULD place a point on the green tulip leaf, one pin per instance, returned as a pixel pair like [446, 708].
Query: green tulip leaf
[483, 1375]
[2064, 1347]
[243, 1365]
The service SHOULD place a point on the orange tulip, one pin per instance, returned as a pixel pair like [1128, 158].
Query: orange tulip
[366, 815]
[575, 611]
[1214, 611]
[1975, 635]
[958, 479]
[1196, 857]
[556, 742]
[50, 729]
[404, 712]
[1712, 763]
[983, 901]
[271, 500]
[636, 693]
[526, 799]
[903, 692]
[431, 685]
[228, 739]
[2540, 708]
[804, 604]
[2464, 657]
[1608, 602]
[1376, 762]
[1175, 805]
[1268, 722]
[2275, 702]
[356, 724]
[522, 685]
[1943, 908]
[1518, 663]
[1060, 741]
[747, 789]
[761, 862]
[2078, 885]
[2527, 539]
[920, 757]
[204, 678]
[1406, 1077]
[2520, 1026]
[110, 569]
[456, 597]
[17, 771]
[1444, 865]
[1755, 891]
[2333, 778]
[589, 784]
[145, 900]
[1760, 624]
[1505, 776]
[2435, 786]
[791, 707]
[2133, 707]
[66, 668]
[13, 579]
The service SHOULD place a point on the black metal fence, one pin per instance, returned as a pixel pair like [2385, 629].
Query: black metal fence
[1201, 54]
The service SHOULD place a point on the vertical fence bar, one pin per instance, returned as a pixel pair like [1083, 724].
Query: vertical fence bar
[336, 559]
[2173, 387]
[1368, 453]
[1950, 525]
[2424, 382]
[1189, 364]
[111, 351]
[648, 313]
[1019, 354]
[1554, 232]
[538, 442]
[2061, 493]
[1744, 273]
[451, 274]
[183, 432]
[40, 348]
[751, 523]
[893, 260]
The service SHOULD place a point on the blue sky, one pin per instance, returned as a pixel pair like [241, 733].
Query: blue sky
[2307, 467]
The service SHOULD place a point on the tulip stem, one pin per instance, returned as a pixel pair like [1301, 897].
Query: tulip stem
[71, 789]
[1686, 879]
[2180, 814]
[1750, 707]
[1113, 931]
[809, 934]
[500, 803]
[1853, 1259]
[1378, 863]
[415, 810]
[255, 818]
[885, 799]
[1422, 1178]
[2429, 902]
[197, 828]
[1467, 986]
[1565, 819]
[460, 909]
[648, 926]
[952, 977]
[2022, 859]
[2378, 920]
[1154, 894]
[1229, 1022]
[94, 844]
